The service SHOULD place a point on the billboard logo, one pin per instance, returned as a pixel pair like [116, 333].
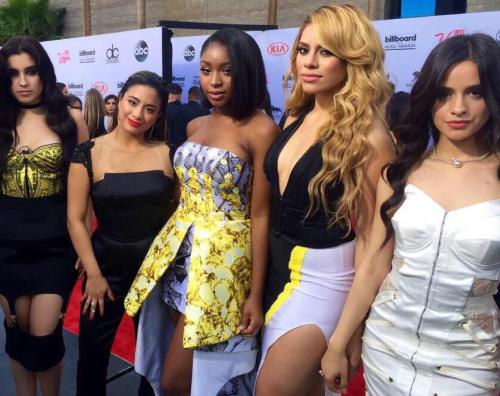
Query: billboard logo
[141, 51]
[396, 42]
[75, 86]
[102, 87]
[189, 53]
[277, 48]
[63, 57]
[87, 56]
[112, 54]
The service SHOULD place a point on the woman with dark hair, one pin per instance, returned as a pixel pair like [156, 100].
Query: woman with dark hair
[129, 180]
[397, 107]
[433, 262]
[323, 169]
[208, 262]
[110, 102]
[38, 132]
[75, 102]
[93, 113]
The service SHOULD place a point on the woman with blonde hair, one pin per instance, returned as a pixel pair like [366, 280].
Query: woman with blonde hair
[94, 111]
[323, 169]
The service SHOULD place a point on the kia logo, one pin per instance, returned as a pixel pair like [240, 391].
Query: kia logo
[112, 53]
[101, 86]
[277, 48]
[141, 51]
[189, 53]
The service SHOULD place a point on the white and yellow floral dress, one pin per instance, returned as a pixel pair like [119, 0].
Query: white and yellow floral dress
[199, 264]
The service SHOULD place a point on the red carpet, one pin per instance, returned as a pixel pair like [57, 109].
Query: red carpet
[124, 345]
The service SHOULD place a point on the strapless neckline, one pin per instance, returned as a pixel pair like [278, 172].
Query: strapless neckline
[458, 210]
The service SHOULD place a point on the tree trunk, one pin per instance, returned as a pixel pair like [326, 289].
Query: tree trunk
[272, 12]
[87, 18]
[141, 14]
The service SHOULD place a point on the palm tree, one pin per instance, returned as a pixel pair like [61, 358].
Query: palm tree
[87, 18]
[141, 14]
[31, 17]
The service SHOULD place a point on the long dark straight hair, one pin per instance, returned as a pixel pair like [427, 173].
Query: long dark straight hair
[55, 104]
[417, 127]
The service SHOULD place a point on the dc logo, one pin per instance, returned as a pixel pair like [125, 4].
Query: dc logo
[498, 36]
[189, 53]
[141, 51]
[112, 53]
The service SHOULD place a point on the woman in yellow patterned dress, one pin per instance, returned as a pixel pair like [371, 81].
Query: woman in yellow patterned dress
[38, 132]
[208, 262]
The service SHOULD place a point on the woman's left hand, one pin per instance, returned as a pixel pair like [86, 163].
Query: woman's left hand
[252, 317]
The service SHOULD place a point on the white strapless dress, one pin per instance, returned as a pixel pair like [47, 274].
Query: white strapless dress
[434, 327]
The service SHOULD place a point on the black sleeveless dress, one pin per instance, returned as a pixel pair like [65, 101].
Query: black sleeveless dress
[130, 209]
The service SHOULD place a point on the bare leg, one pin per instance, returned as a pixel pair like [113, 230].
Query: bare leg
[178, 366]
[45, 315]
[24, 380]
[292, 363]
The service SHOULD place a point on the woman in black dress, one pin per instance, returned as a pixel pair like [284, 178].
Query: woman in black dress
[129, 180]
[38, 132]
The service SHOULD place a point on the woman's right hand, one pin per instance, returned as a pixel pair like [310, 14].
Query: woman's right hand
[335, 369]
[96, 288]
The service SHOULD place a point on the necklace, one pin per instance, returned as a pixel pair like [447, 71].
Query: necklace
[29, 106]
[458, 163]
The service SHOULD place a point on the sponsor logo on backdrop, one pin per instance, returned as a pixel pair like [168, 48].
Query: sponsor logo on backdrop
[75, 88]
[453, 32]
[397, 42]
[277, 48]
[120, 84]
[87, 55]
[498, 36]
[112, 54]
[63, 57]
[179, 80]
[196, 81]
[189, 53]
[141, 51]
[101, 86]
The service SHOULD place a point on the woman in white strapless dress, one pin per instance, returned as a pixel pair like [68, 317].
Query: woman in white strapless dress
[434, 327]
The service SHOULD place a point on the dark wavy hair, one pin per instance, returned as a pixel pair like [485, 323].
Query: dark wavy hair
[414, 132]
[154, 81]
[248, 75]
[55, 104]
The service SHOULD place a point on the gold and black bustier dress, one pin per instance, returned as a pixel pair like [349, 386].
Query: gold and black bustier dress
[36, 255]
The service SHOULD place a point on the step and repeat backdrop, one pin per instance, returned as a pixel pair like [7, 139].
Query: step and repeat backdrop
[407, 42]
[105, 61]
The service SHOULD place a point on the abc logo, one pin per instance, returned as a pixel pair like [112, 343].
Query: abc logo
[141, 51]
[189, 53]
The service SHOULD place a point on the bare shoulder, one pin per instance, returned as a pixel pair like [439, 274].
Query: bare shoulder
[196, 124]
[380, 139]
[261, 127]
[76, 114]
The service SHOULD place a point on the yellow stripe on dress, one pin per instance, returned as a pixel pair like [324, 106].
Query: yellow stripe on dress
[295, 265]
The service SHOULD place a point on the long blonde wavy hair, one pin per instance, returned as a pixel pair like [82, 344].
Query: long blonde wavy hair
[360, 99]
